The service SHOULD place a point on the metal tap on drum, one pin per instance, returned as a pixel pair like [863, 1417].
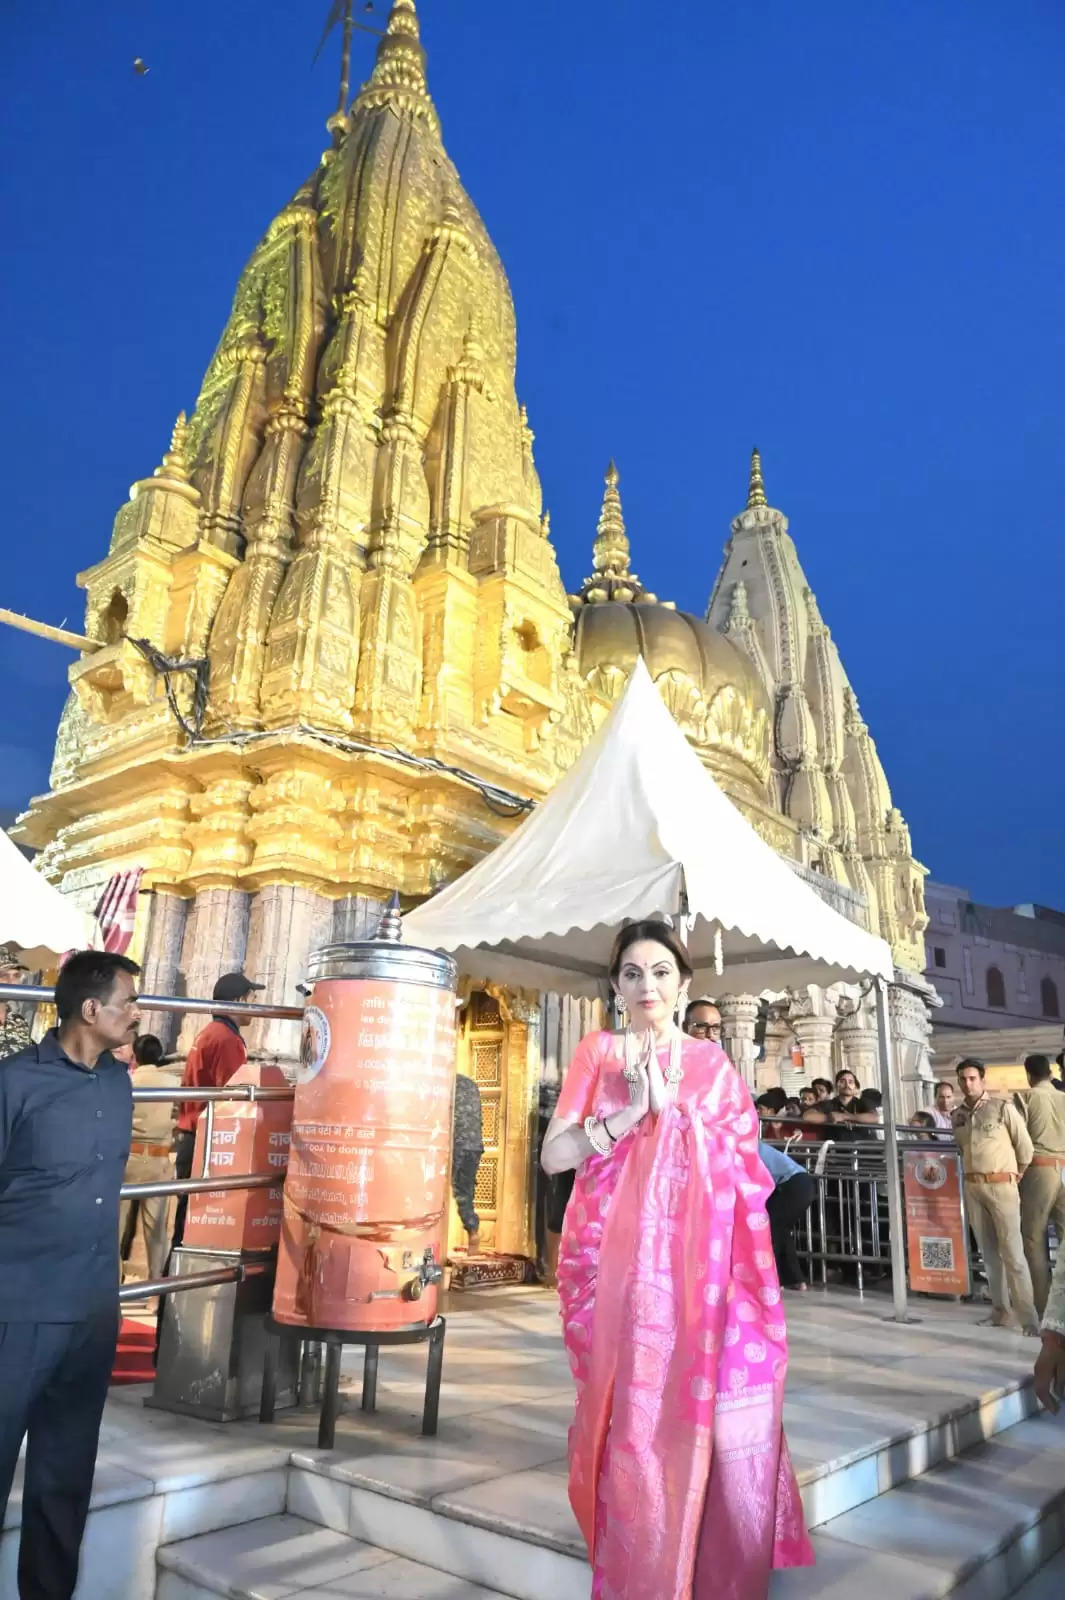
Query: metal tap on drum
[366, 1192]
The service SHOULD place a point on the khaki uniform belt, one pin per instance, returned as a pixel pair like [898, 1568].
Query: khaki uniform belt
[991, 1177]
[141, 1147]
[1048, 1161]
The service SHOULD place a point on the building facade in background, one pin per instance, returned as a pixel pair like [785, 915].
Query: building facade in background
[993, 967]
[346, 549]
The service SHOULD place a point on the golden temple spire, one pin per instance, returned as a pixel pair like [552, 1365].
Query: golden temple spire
[611, 542]
[611, 578]
[755, 486]
[175, 463]
[398, 77]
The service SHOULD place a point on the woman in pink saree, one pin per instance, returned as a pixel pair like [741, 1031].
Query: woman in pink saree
[679, 1473]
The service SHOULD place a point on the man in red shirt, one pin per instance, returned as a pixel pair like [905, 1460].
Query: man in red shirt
[217, 1052]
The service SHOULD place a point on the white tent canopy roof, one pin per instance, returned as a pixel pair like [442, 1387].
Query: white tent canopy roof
[39, 921]
[638, 827]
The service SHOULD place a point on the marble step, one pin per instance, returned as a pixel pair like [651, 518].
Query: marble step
[977, 1527]
[983, 1526]
[287, 1558]
[1048, 1583]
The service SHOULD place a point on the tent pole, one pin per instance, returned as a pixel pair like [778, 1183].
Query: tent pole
[896, 1219]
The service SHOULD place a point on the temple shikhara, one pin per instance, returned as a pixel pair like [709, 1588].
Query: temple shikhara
[338, 657]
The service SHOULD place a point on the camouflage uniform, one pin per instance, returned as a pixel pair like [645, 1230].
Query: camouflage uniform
[467, 1147]
[14, 1033]
[14, 1029]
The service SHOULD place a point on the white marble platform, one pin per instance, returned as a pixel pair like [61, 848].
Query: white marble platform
[248, 1511]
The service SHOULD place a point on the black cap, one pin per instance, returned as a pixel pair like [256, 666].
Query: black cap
[234, 986]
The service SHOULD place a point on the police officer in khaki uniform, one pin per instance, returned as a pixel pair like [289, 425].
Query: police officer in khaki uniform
[1043, 1185]
[996, 1151]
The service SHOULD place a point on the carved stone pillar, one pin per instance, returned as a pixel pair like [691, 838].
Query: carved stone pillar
[813, 1024]
[285, 924]
[216, 936]
[910, 1025]
[355, 917]
[776, 1047]
[856, 1033]
[162, 958]
[739, 1013]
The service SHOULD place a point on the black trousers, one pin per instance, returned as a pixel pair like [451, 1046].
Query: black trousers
[184, 1150]
[464, 1166]
[787, 1206]
[53, 1384]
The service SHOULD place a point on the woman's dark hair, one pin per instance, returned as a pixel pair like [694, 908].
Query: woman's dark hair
[147, 1050]
[661, 933]
[772, 1100]
[870, 1100]
[923, 1119]
[88, 975]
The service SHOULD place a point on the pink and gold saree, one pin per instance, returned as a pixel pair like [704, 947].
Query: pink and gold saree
[680, 1477]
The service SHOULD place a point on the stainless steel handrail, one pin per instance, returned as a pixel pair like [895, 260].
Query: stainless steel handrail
[236, 1091]
[235, 1180]
[240, 1010]
[190, 1280]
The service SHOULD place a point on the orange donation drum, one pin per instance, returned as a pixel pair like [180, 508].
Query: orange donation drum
[367, 1184]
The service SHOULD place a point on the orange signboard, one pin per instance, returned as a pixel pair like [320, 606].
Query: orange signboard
[936, 1235]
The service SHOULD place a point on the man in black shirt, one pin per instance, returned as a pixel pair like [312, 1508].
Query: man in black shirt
[65, 1112]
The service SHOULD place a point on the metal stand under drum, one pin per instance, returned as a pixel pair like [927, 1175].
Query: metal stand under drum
[281, 1335]
[213, 1340]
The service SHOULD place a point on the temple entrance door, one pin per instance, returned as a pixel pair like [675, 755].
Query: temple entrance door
[493, 1051]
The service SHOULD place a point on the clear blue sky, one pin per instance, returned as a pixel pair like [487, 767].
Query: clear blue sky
[833, 229]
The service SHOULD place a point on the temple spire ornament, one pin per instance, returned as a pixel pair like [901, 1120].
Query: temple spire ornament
[398, 78]
[612, 541]
[175, 463]
[755, 486]
[611, 578]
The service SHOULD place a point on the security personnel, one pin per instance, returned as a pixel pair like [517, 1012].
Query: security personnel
[996, 1151]
[467, 1148]
[14, 1029]
[1043, 1185]
[217, 1052]
[65, 1110]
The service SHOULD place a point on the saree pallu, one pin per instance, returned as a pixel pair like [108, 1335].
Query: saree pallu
[680, 1477]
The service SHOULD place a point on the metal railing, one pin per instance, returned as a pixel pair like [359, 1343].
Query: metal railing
[848, 1224]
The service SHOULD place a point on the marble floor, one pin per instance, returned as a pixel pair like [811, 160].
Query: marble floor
[871, 1405]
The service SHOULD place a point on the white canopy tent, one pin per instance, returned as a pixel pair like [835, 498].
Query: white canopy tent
[638, 827]
[40, 922]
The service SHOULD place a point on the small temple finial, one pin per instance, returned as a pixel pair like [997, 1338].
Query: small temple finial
[612, 541]
[611, 577]
[755, 486]
[390, 928]
[175, 463]
[400, 64]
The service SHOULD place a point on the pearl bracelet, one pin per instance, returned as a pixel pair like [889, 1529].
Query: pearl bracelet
[597, 1135]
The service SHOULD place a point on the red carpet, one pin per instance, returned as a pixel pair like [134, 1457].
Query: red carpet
[135, 1356]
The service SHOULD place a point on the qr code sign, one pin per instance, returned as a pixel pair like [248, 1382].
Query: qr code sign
[937, 1255]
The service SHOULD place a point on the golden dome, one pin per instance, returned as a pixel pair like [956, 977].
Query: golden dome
[708, 684]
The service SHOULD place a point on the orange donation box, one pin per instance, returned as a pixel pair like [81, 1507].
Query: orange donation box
[367, 1184]
[246, 1136]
